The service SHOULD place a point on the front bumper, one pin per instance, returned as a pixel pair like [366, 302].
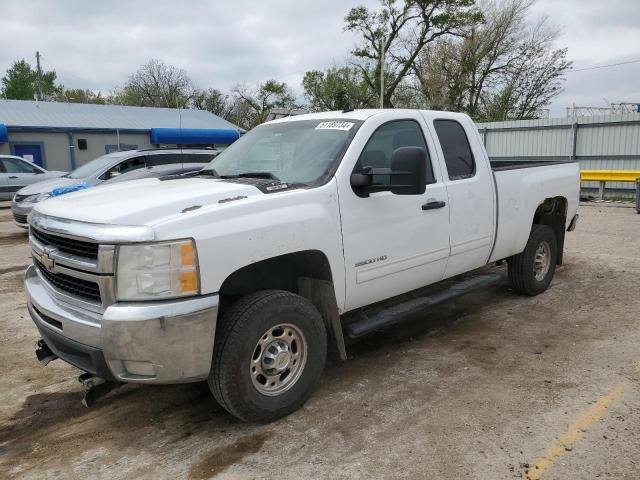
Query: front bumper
[20, 211]
[146, 342]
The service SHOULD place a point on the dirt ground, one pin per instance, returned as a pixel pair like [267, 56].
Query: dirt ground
[492, 386]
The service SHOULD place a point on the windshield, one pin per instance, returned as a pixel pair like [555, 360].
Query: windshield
[95, 166]
[299, 151]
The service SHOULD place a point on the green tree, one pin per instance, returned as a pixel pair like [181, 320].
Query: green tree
[336, 89]
[252, 106]
[214, 101]
[398, 32]
[21, 82]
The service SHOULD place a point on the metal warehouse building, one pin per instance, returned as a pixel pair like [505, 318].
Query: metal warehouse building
[63, 136]
[603, 142]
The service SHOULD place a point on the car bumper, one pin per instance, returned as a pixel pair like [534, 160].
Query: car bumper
[146, 342]
[20, 213]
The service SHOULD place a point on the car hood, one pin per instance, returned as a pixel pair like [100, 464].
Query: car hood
[47, 185]
[143, 202]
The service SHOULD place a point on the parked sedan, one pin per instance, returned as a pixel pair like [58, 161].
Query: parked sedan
[100, 170]
[16, 172]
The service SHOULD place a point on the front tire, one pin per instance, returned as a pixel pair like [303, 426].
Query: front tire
[270, 351]
[531, 271]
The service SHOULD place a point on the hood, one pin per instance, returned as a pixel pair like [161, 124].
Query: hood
[143, 202]
[47, 185]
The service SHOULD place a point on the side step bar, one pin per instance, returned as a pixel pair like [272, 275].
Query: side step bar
[396, 313]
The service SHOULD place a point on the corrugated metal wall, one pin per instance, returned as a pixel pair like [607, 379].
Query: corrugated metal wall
[607, 142]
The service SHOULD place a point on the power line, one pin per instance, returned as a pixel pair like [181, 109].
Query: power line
[603, 66]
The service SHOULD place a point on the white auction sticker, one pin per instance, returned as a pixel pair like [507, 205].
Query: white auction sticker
[334, 126]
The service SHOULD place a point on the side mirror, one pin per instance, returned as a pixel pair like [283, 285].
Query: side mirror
[409, 166]
[407, 175]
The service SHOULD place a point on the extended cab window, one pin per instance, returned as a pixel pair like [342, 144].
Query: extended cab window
[385, 140]
[456, 149]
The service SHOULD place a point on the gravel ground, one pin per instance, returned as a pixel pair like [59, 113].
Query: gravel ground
[491, 386]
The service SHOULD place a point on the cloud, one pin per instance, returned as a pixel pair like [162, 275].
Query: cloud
[97, 45]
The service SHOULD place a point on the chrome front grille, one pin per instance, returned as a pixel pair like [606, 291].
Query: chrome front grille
[67, 245]
[77, 287]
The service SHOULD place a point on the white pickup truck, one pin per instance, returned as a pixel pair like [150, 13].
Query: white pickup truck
[245, 274]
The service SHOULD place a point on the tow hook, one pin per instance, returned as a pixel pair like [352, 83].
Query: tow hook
[95, 388]
[44, 353]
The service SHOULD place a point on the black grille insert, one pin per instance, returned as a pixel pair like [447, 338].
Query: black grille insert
[67, 245]
[72, 285]
[21, 219]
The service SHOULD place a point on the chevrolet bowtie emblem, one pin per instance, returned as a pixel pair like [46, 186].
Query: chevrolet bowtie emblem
[47, 260]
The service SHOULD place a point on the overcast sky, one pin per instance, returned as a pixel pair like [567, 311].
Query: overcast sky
[98, 44]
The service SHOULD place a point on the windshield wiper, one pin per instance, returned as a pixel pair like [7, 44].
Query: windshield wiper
[267, 175]
[206, 172]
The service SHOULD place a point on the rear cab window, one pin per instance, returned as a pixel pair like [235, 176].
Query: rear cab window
[456, 149]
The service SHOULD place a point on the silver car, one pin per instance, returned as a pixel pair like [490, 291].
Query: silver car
[16, 172]
[100, 170]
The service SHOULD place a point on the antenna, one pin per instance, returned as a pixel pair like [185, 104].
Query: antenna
[180, 128]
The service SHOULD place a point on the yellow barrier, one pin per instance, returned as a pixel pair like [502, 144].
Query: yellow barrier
[609, 175]
[604, 176]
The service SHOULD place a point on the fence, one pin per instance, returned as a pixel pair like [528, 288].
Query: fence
[604, 142]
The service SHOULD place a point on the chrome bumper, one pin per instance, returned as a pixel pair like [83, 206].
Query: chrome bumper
[150, 342]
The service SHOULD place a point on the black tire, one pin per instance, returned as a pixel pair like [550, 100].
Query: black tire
[237, 337]
[522, 273]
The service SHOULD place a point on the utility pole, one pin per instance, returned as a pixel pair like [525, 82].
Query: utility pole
[38, 77]
[382, 72]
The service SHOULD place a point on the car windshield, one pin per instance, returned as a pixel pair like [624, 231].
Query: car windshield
[298, 151]
[95, 166]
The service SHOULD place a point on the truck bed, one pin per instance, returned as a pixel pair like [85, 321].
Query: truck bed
[521, 187]
[500, 165]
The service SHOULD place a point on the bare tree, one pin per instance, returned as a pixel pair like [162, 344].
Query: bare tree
[156, 84]
[502, 68]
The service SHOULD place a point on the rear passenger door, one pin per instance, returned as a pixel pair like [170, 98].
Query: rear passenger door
[470, 191]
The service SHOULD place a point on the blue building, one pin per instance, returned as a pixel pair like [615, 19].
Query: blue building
[63, 136]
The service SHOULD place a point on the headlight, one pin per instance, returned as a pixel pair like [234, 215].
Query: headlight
[154, 271]
[37, 197]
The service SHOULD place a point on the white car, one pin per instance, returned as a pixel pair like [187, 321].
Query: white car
[307, 230]
[16, 172]
[100, 170]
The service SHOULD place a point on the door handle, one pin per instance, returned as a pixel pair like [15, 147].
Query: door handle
[13, 176]
[433, 205]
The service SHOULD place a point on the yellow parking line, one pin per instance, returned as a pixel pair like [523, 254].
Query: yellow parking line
[575, 431]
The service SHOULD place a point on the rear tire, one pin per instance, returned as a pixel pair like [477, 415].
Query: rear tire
[531, 271]
[270, 351]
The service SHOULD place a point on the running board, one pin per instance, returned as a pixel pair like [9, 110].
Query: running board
[396, 313]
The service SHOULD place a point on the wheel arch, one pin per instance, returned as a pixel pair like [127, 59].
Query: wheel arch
[552, 211]
[306, 273]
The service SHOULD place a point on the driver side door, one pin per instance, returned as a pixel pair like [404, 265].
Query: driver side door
[394, 243]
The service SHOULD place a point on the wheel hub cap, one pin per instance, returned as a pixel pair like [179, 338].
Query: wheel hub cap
[542, 261]
[278, 359]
